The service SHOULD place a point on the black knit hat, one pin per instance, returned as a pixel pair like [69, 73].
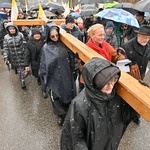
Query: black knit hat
[103, 77]
[36, 31]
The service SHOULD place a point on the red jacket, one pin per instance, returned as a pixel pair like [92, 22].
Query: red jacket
[106, 50]
[103, 50]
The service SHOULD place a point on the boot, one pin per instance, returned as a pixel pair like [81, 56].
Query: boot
[136, 120]
[44, 94]
[23, 84]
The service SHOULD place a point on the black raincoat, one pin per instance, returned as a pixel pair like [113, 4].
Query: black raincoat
[57, 68]
[34, 47]
[95, 119]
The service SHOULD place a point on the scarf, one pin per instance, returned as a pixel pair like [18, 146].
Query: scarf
[103, 49]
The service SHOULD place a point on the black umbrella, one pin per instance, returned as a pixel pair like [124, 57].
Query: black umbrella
[123, 5]
[5, 5]
[126, 6]
[87, 6]
[49, 14]
[143, 6]
[36, 7]
[55, 7]
[94, 1]
[88, 10]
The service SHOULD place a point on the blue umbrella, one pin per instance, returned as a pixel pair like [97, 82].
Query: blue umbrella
[75, 15]
[119, 15]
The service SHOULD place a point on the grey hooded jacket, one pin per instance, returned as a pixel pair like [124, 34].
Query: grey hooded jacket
[15, 48]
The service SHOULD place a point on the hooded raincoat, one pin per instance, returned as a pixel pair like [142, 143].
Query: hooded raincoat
[95, 119]
[57, 68]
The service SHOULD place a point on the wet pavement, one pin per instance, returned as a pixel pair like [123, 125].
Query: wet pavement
[27, 121]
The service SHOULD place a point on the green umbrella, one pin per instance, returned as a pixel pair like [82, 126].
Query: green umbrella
[110, 5]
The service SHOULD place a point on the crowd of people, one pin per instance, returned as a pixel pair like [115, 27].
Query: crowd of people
[96, 116]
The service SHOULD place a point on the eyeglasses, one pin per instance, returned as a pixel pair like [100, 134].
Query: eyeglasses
[113, 80]
[53, 36]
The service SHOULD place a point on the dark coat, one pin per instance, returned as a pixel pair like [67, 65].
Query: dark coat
[35, 48]
[75, 31]
[3, 32]
[57, 67]
[94, 120]
[138, 54]
[15, 48]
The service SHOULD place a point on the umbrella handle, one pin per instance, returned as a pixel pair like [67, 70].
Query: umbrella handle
[120, 50]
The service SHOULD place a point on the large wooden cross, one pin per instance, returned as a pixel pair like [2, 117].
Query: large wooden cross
[133, 92]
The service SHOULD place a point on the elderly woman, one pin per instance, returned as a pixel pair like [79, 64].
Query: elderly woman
[96, 118]
[97, 42]
[58, 70]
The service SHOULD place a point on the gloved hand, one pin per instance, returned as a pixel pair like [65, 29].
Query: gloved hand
[135, 72]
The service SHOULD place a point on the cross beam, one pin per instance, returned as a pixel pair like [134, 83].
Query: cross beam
[135, 94]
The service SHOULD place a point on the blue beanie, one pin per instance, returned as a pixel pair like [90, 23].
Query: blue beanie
[109, 24]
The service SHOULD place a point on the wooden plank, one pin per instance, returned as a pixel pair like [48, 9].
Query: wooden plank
[135, 94]
[31, 22]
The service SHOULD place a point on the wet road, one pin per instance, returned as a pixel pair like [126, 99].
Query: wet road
[28, 123]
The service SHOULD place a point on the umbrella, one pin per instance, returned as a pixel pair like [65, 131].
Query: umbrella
[143, 5]
[5, 5]
[119, 15]
[88, 6]
[93, 1]
[88, 10]
[36, 7]
[126, 6]
[75, 15]
[123, 5]
[55, 7]
[49, 14]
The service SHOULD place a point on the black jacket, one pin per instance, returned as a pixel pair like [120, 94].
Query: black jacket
[35, 47]
[15, 48]
[95, 119]
[3, 32]
[75, 31]
[138, 54]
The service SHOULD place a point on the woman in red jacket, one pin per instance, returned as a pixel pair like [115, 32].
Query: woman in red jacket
[97, 42]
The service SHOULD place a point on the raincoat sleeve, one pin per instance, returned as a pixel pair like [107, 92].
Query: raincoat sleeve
[42, 69]
[74, 130]
[115, 56]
